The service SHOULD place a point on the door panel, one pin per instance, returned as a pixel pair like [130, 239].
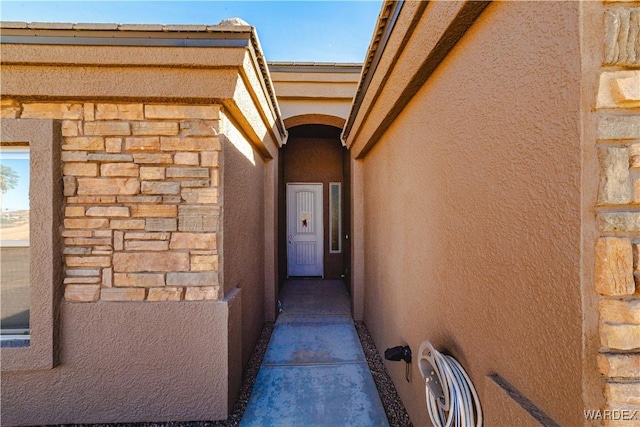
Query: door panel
[305, 235]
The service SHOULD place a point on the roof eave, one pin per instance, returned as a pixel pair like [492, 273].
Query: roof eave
[102, 34]
[384, 26]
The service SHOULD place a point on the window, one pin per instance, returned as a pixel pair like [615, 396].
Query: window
[14, 245]
[30, 236]
[335, 217]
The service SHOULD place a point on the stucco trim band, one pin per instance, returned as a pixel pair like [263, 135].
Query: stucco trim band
[309, 119]
[183, 36]
[237, 86]
[384, 27]
[463, 17]
[143, 39]
[44, 138]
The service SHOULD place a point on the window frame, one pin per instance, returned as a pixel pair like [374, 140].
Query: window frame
[44, 138]
[337, 185]
[18, 334]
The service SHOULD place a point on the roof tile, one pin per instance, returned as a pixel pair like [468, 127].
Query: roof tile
[50, 25]
[141, 27]
[13, 24]
[92, 26]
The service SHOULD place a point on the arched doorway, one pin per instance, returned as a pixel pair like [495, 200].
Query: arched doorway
[314, 199]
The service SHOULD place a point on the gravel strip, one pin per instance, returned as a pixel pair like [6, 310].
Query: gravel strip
[393, 407]
[248, 378]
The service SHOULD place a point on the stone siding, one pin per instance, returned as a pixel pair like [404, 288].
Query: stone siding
[141, 188]
[622, 36]
[617, 269]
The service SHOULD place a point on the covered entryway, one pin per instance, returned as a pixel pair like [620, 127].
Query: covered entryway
[314, 100]
[314, 226]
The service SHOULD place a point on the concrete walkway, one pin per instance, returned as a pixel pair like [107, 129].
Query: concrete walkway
[314, 372]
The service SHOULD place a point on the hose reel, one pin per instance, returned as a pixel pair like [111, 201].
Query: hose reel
[450, 396]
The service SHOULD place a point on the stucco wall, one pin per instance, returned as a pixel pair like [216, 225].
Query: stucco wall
[243, 181]
[472, 213]
[128, 362]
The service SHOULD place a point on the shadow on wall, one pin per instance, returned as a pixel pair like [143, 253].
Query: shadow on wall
[243, 209]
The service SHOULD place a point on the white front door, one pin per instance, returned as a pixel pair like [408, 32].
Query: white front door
[305, 234]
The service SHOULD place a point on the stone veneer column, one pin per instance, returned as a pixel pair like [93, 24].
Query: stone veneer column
[141, 198]
[617, 269]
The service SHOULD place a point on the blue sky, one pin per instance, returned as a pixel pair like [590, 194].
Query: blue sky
[320, 31]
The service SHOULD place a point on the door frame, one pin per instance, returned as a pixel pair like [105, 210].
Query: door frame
[320, 224]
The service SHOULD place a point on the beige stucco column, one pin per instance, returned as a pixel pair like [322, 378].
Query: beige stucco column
[357, 238]
[270, 239]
